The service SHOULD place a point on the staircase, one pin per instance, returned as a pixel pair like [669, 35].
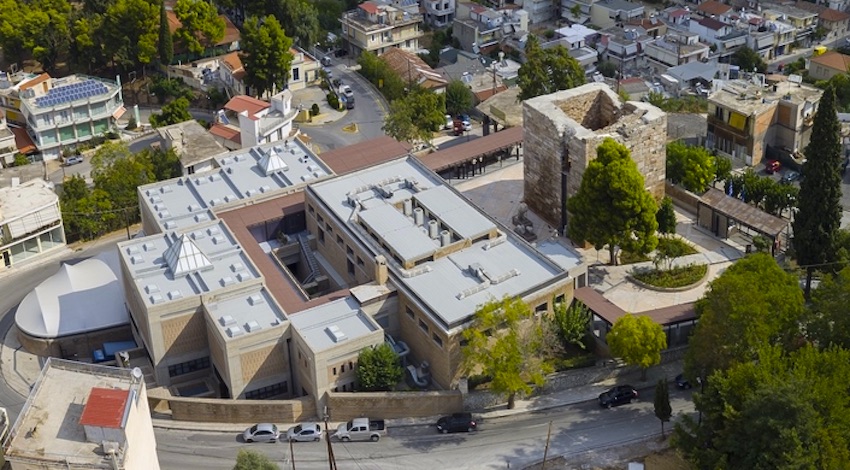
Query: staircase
[311, 259]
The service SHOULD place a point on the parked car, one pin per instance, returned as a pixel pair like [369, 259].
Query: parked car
[449, 122]
[361, 429]
[326, 61]
[346, 90]
[73, 160]
[304, 432]
[262, 432]
[683, 383]
[789, 177]
[341, 52]
[617, 396]
[456, 423]
[772, 166]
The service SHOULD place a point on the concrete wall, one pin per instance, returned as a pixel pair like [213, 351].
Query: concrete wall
[141, 442]
[682, 197]
[216, 410]
[74, 346]
[390, 405]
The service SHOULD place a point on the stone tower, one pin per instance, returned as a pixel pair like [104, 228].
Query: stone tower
[562, 131]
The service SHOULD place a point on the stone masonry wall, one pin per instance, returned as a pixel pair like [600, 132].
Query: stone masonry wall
[542, 147]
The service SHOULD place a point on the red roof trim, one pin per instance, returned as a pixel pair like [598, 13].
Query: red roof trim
[105, 408]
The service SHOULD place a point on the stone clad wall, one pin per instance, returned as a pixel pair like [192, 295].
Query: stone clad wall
[391, 405]
[217, 410]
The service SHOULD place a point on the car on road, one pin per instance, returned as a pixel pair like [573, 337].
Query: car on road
[617, 396]
[304, 432]
[683, 383]
[73, 160]
[457, 422]
[789, 177]
[449, 122]
[326, 61]
[772, 166]
[262, 432]
[347, 91]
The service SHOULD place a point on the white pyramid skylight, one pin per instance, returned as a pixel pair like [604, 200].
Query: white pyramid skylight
[184, 257]
[271, 162]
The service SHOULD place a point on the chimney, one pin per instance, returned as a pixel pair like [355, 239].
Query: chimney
[408, 207]
[433, 229]
[380, 270]
[445, 238]
[418, 216]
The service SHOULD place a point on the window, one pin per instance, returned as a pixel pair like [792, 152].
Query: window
[310, 209]
[322, 236]
[342, 369]
[334, 371]
[542, 308]
[339, 239]
[437, 339]
[349, 251]
[409, 312]
[359, 262]
[269, 391]
[320, 219]
[350, 365]
[330, 230]
[350, 267]
[423, 325]
[295, 76]
[189, 366]
[560, 299]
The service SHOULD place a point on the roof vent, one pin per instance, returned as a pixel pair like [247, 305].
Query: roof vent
[215, 177]
[256, 299]
[218, 239]
[200, 181]
[149, 246]
[215, 201]
[194, 207]
[133, 250]
[201, 218]
[226, 320]
[151, 288]
[156, 298]
[175, 294]
[170, 225]
[165, 189]
[252, 326]
[264, 189]
[227, 281]
[336, 334]
[213, 231]
[198, 235]
[137, 259]
[234, 331]
[236, 267]
[243, 276]
[164, 214]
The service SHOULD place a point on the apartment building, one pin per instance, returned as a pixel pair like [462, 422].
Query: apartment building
[192, 143]
[60, 112]
[607, 13]
[804, 22]
[677, 47]
[828, 65]
[439, 13]
[376, 26]
[30, 222]
[480, 29]
[747, 116]
[246, 122]
[84, 416]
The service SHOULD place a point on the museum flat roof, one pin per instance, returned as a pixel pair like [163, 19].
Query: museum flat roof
[242, 176]
[245, 314]
[174, 265]
[50, 426]
[470, 261]
[327, 325]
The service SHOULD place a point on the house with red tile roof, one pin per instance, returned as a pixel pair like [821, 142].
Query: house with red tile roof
[246, 121]
[826, 66]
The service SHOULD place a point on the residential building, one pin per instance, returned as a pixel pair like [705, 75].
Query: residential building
[577, 39]
[231, 73]
[747, 116]
[677, 47]
[835, 22]
[804, 22]
[228, 43]
[413, 70]
[303, 71]
[562, 132]
[576, 11]
[479, 29]
[652, 27]
[30, 222]
[725, 38]
[376, 26]
[439, 13]
[60, 112]
[714, 9]
[195, 146]
[830, 14]
[84, 416]
[539, 11]
[623, 47]
[762, 41]
[259, 122]
[676, 16]
[828, 65]
[607, 13]
[476, 72]
[691, 75]
[8, 148]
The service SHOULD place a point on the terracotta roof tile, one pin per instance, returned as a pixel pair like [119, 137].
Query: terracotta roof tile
[23, 141]
[443, 159]
[711, 23]
[712, 7]
[241, 103]
[226, 133]
[369, 7]
[364, 154]
[35, 81]
[834, 60]
[833, 15]
[105, 408]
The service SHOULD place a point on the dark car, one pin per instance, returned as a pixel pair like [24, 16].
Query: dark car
[457, 422]
[683, 382]
[618, 395]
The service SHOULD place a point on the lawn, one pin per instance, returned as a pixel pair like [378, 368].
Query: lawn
[679, 276]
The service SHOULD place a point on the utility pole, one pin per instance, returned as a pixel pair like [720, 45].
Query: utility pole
[546, 450]
[331, 458]
[292, 454]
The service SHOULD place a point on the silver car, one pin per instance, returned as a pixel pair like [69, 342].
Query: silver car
[263, 432]
[305, 432]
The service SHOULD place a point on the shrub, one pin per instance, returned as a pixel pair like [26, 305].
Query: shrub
[333, 100]
[627, 257]
[679, 276]
[21, 160]
[314, 110]
[676, 247]
[132, 124]
[475, 381]
[574, 362]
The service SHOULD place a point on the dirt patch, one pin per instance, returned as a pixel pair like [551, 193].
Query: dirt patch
[655, 454]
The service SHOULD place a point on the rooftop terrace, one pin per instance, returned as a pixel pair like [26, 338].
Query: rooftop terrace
[325, 326]
[245, 314]
[748, 97]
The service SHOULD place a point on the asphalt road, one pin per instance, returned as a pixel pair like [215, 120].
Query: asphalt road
[511, 442]
[368, 114]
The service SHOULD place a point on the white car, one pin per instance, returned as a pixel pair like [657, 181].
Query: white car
[305, 432]
[449, 122]
[262, 432]
[347, 91]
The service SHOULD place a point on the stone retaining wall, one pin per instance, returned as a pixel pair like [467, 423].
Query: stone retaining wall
[390, 405]
[216, 410]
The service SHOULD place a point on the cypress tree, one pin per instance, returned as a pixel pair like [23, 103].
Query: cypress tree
[818, 216]
[166, 44]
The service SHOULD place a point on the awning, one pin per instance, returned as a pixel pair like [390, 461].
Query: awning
[23, 141]
[119, 112]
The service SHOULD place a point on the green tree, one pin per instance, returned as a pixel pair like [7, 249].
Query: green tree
[504, 342]
[753, 303]
[416, 116]
[49, 33]
[547, 71]
[298, 18]
[666, 217]
[118, 172]
[722, 168]
[572, 322]
[749, 60]
[172, 113]
[691, 166]
[638, 340]
[13, 30]
[166, 42]
[200, 25]
[818, 215]
[575, 10]
[378, 368]
[251, 460]
[828, 323]
[459, 98]
[783, 411]
[607, 68]
[663, 410]
[265, 55]
[374, 69]
[131, 31]
[165, 163]
[612, 207]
